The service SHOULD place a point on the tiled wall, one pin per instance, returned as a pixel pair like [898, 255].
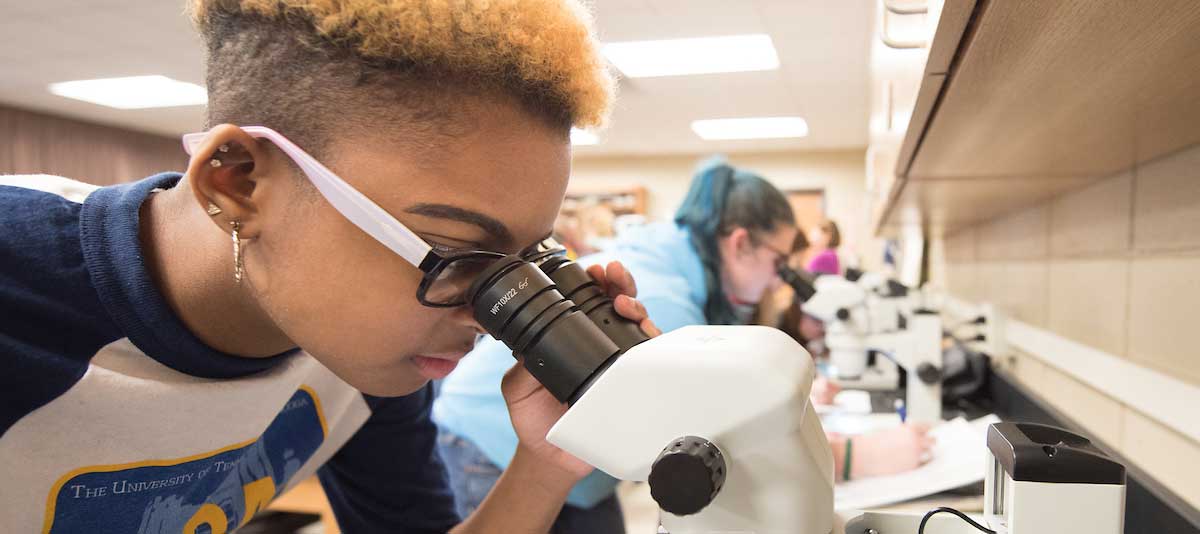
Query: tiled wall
[1115, 266]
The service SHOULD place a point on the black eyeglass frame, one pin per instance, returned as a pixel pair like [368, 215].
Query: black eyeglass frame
[434, 263]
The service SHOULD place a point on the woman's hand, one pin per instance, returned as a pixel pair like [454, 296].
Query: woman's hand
[617, 282]
[534, 410]
[891, 451]
[823, 391]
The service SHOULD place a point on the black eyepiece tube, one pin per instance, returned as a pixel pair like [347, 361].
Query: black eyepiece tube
[853, 274]
[562, 348]
[803, 288]
[896, 289]
[576, 284]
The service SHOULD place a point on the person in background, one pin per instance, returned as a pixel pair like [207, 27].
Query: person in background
[776, 310]
[181, 349]
[778, 301]
[824, 239]
[718, 259]
[710, 266]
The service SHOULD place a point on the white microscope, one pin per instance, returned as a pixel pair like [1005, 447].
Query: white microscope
[1039, 479]
[875, 315]
[715, 418]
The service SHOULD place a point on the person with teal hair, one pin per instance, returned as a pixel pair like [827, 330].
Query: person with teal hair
[711, 265]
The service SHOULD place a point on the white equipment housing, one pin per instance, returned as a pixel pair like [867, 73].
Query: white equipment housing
[858, 320]
[743, 388]
[744, 391]
[1039, 479]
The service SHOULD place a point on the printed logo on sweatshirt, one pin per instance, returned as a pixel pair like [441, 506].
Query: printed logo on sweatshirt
[209, 493]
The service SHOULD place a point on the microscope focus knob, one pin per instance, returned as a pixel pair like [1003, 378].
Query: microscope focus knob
[687, 475]
[928, 373]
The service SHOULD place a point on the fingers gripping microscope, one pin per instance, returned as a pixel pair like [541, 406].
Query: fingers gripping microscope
[716, 418]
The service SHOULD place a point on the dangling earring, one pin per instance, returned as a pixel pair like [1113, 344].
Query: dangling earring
[237, 252]
[213, 209]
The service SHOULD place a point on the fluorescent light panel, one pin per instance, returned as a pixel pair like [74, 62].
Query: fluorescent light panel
[750, 128]
[701, 55]
[583, 137]
[133, 92]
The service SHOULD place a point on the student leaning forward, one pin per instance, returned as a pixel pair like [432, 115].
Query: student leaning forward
[180, 349]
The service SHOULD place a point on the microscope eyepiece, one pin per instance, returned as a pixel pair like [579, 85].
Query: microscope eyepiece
[566, 341]
[853, 274]
[803, 288]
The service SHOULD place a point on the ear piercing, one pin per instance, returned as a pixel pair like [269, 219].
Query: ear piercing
[216, 162]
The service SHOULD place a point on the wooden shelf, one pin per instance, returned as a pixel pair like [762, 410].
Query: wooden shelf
[621, 200]
[1041, 98]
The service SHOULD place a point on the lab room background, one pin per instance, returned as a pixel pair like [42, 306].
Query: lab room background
[1056, 183]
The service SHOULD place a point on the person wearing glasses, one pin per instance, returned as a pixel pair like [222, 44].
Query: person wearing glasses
[711, 265]
[180, 350]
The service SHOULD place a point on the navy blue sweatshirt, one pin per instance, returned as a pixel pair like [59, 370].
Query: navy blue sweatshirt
[115, 418]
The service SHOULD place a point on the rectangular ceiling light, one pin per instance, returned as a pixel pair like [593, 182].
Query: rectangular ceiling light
[751, 128]
[701, 55]
[583, 137]
[134, 92]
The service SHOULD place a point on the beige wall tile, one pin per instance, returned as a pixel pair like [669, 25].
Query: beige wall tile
[1098, 413]
[960, 246]
[1089, 302]
[935, 258]
[987, 280]
[960, 280]
[1094, 220]
[1163, 312]
[1169, 457]
[1167, 209]
[1020, 288]
[1020, 236]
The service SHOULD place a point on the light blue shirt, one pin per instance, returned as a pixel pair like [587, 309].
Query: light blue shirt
[670, 282]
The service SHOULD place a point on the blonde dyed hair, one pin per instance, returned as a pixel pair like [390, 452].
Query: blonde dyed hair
[543, 53]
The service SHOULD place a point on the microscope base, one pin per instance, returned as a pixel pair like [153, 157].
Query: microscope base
[883, 376]
[906, 523]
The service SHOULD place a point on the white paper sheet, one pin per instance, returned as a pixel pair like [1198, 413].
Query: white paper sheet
[959, 458]
[847, 401]
[853, 424]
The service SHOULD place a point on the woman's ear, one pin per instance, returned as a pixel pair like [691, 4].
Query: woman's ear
[223, 173]
[740, 241]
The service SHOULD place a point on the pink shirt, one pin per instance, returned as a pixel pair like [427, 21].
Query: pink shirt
[825, 263]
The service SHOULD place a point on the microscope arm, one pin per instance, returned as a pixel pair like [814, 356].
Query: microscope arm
[917, 350]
